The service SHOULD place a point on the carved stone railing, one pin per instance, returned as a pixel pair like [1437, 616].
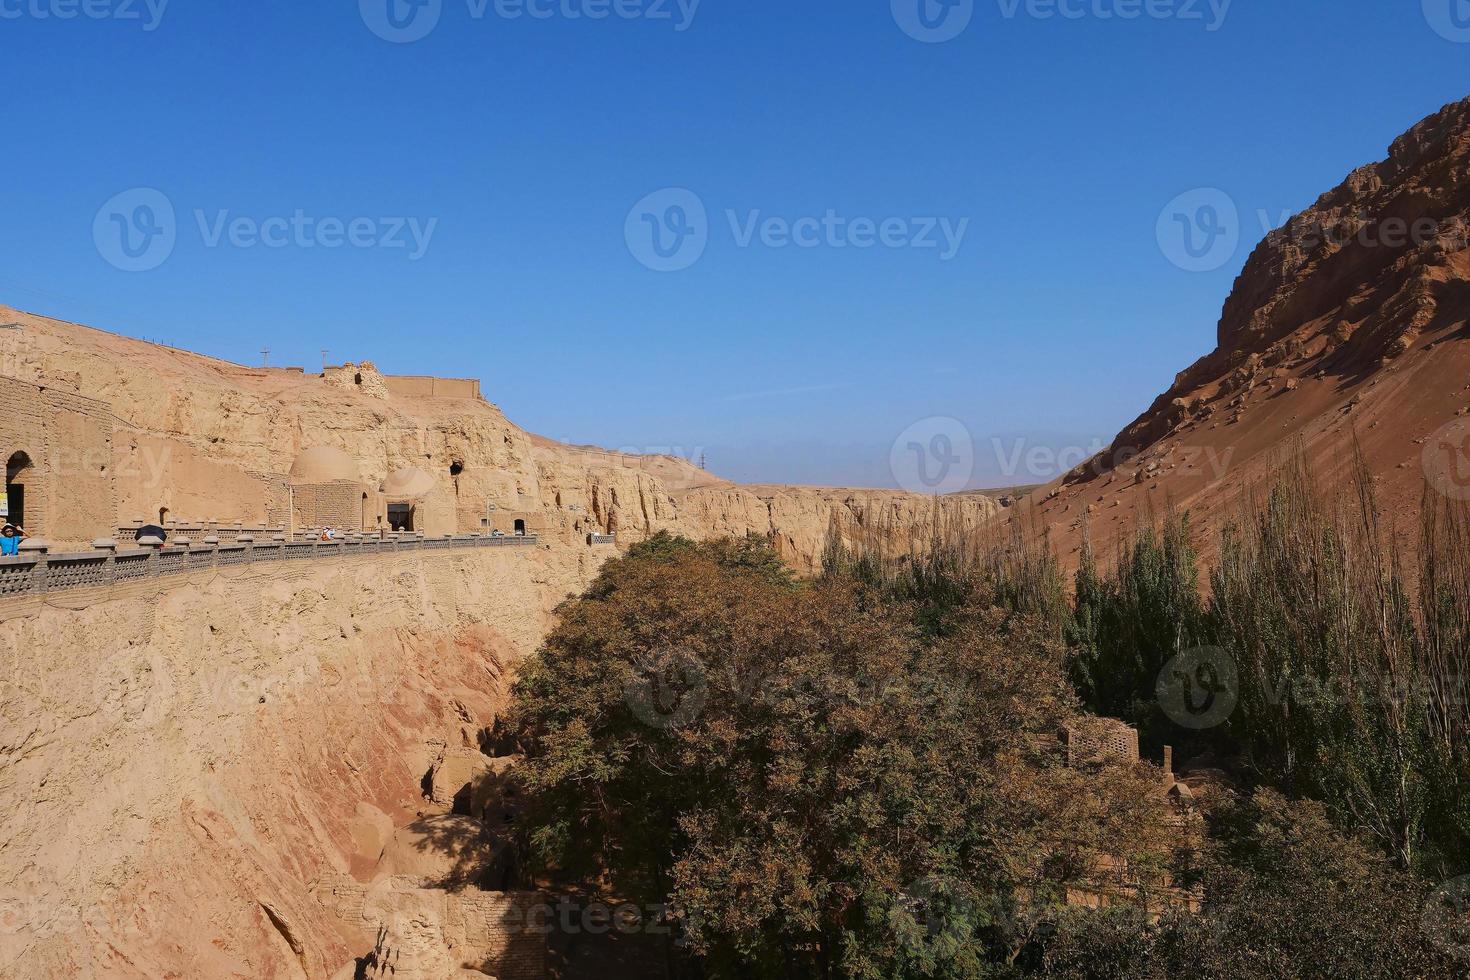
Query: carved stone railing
[34, 571]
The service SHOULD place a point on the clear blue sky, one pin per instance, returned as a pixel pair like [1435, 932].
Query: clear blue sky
[529, 140]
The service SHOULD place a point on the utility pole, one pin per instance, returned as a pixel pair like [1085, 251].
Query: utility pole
[266, 353]
[702, 462]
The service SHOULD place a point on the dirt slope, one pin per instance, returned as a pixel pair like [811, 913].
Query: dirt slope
[1351, 320]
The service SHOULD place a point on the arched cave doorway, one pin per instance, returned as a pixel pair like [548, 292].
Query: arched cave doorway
[520, 527]
[400, 517]
[18, 472]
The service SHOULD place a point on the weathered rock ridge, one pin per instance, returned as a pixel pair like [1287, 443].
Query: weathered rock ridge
[203, 438]
[1347, 323]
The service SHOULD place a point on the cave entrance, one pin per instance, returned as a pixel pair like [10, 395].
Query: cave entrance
[520, 528]
[400, 517]
[18, 470]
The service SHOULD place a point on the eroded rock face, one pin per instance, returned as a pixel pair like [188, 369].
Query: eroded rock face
[1347, 323]
[799, 521]
[204, 439]
[189, 769]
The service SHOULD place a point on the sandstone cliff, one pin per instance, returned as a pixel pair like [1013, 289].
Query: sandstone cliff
[222, 774]
[191, 767]
[1350, 321]
[202, 439]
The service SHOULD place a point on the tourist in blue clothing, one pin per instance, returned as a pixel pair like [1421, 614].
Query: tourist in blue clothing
[10, 539]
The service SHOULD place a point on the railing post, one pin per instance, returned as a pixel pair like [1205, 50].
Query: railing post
[36, 548]
[109, 547]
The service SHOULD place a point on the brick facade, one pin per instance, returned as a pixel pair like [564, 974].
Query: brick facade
[339, 505]
[68, 486]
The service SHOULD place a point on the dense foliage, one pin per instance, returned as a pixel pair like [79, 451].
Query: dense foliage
[1345, 674]
[861, 776]
[815, 785]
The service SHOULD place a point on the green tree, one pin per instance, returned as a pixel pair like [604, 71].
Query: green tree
[815, 786]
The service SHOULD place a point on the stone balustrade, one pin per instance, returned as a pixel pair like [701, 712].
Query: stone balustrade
[127, 533]
[35, 571]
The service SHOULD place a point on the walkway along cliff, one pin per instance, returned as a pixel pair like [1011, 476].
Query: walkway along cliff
[244, 751]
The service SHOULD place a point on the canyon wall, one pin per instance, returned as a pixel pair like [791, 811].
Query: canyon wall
[1344, 339]
[221, 774]
[191, 765]
[193, 439]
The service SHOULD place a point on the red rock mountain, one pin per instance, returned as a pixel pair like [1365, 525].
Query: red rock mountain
[1350, 320]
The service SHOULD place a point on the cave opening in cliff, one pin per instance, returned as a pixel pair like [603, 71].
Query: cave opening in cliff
[520, 528]
[17, 470]
[400, 517]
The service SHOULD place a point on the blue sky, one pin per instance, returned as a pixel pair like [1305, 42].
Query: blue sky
[1050, 146]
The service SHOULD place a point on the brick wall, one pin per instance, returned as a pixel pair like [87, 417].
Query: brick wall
[425, 387]
[69, 493]
[331, 505]
[507, 930]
